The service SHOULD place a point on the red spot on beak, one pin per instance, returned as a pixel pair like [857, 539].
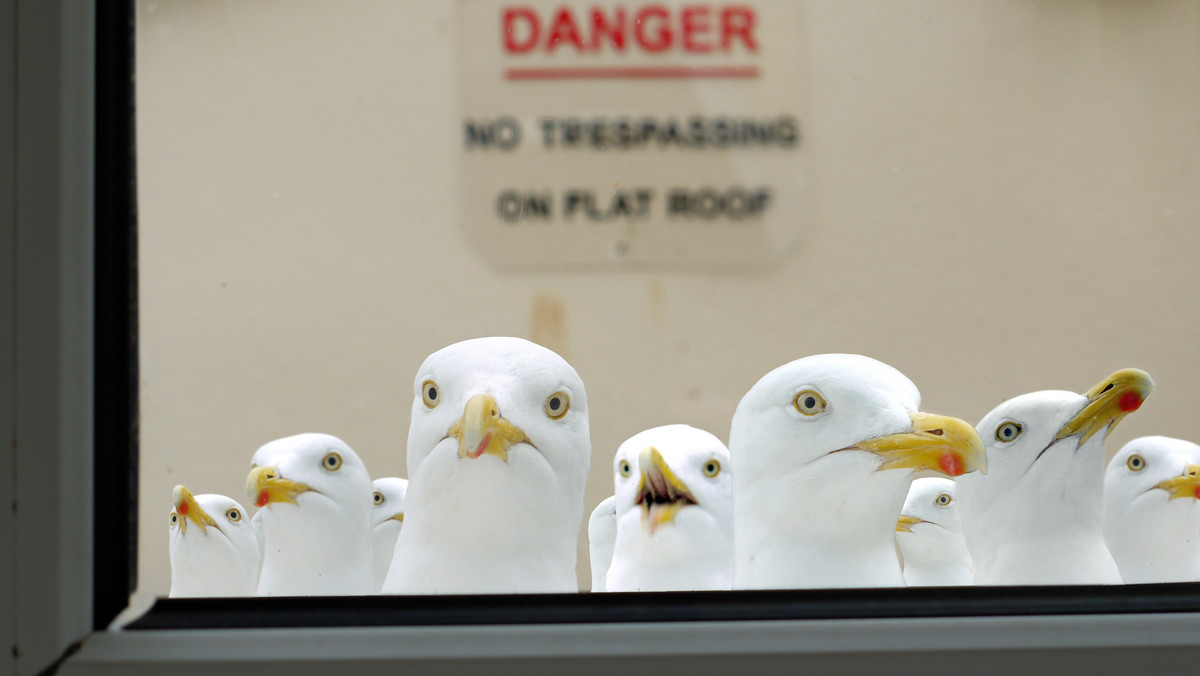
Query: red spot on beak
[483, 443]
[1130, 401]
[1197, 492]
[950, 463]
[182, 508]
[263, 498]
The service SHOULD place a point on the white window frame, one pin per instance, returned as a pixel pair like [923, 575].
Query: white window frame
[46, 254]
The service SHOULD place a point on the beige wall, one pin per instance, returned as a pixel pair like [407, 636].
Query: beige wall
[1004, 197]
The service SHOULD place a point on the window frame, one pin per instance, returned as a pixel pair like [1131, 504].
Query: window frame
[71, 346]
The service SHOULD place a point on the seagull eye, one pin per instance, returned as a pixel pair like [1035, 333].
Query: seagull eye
[1136, 463]
[1008, 431]
[625, 468]
[809, 402]
[712, 468]
[174, 518]
[378, 498]
[558, 404]
[332, 461]
[233, 514]
[943, 500]
[430, 394]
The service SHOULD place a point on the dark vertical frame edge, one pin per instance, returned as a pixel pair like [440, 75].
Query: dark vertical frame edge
[116, 365]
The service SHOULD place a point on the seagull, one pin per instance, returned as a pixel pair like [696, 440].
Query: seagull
[214, 550]
[498, 455]
[929, 535]
[1152, 510]
[674, 524]
[315, 496]
[602, 537]
[1035, 518]
[387, 518]
[825, 448]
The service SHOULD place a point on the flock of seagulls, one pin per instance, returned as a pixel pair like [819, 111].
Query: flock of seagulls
[833, 477]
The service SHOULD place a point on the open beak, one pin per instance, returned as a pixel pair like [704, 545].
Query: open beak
[938, 443]
[190, 510]
[266, 486]
[1186, 485]
[1108, 403]
[482, 430]
[661, 493]
[905, 523]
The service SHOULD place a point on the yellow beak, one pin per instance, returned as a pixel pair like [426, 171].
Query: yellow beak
[938, 443]
[905, 523]
[483, 430]
[190, 510]
[660, 492]
[266, 486]
[1108, 403]
[1186, 485]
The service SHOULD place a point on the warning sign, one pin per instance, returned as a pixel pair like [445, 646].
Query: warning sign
[633, 135]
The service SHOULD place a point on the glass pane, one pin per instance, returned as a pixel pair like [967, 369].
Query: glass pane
[994, 198]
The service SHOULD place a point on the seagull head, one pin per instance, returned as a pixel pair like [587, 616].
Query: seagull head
[309, 471]
[487, 400]
[387, 502]
[1151, 472]
[211, 535]
[672, 473]
[850, 412]
[930, 505]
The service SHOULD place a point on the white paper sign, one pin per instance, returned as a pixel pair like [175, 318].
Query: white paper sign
[632, 134]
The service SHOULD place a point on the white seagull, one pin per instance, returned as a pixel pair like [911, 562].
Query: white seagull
[929, 535]
[674, 524]
[602, 537]
[1035, 518]
[387, 518]
[214, 550]
[498, 455]
[824, 450]
[1152, 510]
[315, 496]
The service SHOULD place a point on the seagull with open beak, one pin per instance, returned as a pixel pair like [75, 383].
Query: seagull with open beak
[674, 524]
[498, 455]
[1036, 517]
[824, 449]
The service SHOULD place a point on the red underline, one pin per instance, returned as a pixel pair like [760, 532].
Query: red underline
[631, 73]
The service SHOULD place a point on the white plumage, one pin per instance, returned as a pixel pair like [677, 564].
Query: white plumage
[387, 519]
[214, 549]
[929, 534]
[1152, 510]
[602, 537]
[674, 526]
[824, 449]
[1035, 517]
[315, 496]
[498, 455]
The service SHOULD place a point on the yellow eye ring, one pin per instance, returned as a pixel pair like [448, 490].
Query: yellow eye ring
[233, 514]
[332, 461]
[943, 500]
[1135, 463]
[1008, 432]
[378, 498]
[174, 518]
[809, 402]
[712, 468]
[625, 468]
[558, 404]
[430, 394]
